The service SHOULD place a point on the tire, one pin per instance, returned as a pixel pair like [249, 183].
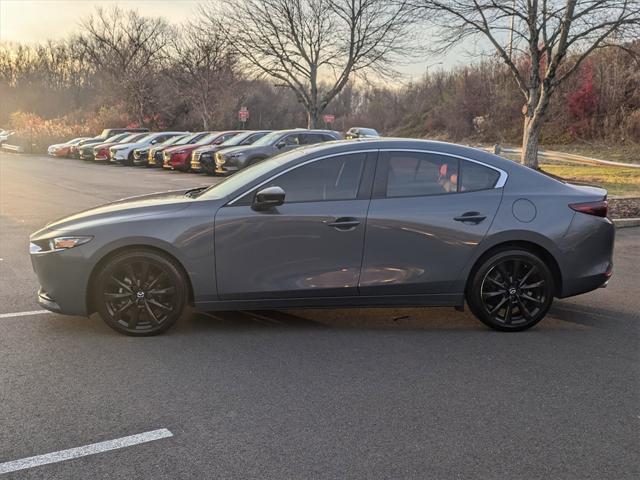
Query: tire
[511, 290]
[140, 292]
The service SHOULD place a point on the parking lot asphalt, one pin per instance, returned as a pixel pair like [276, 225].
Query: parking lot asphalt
[360, 393]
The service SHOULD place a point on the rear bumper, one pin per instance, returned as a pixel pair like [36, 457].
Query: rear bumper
[587, 255]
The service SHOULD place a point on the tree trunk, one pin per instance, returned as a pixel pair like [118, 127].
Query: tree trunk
[312, 117]
[529, 156]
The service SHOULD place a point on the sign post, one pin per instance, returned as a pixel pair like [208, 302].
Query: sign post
[243, 115]
[329, 119]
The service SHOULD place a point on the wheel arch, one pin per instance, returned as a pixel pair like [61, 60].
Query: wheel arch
[105, 256]
[531, 246]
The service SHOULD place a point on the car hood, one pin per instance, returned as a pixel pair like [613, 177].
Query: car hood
[91, 140]
[104, 145]
[248, 149]
[207, 148]
[188, 147]
[125, 146]
[120, 210]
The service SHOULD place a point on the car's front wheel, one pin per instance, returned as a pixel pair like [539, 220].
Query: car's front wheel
[140, 292]
[511, 290]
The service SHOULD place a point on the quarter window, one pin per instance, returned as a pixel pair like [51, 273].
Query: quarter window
[476, 177]
[335, 178]
[413, 174]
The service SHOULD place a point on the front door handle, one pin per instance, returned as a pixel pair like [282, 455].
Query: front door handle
[344, 223]
[473, 217]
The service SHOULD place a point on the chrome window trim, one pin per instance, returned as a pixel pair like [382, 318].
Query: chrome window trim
[293, 167]
[499, 184]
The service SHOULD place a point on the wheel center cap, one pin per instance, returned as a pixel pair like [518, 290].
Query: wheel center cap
[512, 291]
[140, 295]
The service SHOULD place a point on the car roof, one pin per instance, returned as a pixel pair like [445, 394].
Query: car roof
[306, 130]
[384, 143]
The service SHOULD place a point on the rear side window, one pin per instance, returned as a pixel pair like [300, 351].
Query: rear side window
[412, 174]
[476, 177]
[311, 138]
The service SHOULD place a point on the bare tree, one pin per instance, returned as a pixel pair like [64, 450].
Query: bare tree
[205, 73]
[313, 47]
[126, 49]
[541, 41]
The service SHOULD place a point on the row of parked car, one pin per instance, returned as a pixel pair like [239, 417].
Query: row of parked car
[214, 153]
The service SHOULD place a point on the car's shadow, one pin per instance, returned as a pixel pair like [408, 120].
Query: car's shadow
[563, 316]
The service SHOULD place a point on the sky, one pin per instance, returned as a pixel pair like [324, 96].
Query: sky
[30, 21]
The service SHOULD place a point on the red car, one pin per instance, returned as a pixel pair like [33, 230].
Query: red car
[101, 150]
[179, 157]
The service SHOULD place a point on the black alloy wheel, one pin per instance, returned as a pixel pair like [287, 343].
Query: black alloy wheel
[140, 293]
[511, 291]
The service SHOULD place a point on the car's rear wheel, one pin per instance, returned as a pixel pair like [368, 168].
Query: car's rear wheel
[511, 290]
[140, 292]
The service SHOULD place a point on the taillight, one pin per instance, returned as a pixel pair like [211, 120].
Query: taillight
[599, 208]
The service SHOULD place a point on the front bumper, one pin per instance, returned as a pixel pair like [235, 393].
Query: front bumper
[156, 160]
[63, 277]
[45, 301]
[176, 162]
[117, 157]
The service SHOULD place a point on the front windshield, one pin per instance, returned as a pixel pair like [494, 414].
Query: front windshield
[174, 140]
[209, 138]
[190, 138]
[268, 139]
[237, 139]
[118, 137]
[133, 138]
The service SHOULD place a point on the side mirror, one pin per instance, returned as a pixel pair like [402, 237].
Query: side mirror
[281, 144]
[268, 198]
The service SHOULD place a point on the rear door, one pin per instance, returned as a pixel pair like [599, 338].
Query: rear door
[428, 213]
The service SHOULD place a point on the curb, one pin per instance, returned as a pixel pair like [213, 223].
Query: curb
[626, 222]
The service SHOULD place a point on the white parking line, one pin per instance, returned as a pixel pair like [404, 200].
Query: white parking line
[92, 449]
[23, 314]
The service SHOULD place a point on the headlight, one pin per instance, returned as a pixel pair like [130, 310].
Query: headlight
[57, 244]
[65, 243]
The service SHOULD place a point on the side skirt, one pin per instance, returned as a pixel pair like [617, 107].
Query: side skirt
[436, 300]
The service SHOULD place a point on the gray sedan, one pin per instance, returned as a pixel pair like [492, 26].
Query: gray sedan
[345, 224]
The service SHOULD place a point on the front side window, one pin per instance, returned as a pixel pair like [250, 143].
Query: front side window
[335, 178]
[412, 174]
[291, 140]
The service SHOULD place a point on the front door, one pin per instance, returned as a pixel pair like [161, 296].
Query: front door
[310, 246]
[427, 215]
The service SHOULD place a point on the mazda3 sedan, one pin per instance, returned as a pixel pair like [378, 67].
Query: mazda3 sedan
[363, 223]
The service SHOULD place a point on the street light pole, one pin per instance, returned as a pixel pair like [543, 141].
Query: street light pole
[511, 30]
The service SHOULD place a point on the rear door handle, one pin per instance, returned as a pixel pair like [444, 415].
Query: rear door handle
[344, 223]
[473, 217]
